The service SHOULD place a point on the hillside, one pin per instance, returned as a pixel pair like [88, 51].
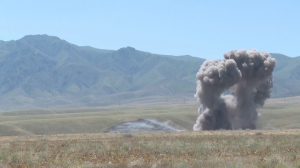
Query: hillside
[41, 71]
[44, 71]
[286, 76]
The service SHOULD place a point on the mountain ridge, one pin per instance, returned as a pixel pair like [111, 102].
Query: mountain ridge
[40, 68]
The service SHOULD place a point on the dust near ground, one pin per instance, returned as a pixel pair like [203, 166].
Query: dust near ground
[142, 125]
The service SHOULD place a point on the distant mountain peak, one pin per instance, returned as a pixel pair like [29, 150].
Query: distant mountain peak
[39, 36]
[126, 51]
[42, 39]
[128, 48]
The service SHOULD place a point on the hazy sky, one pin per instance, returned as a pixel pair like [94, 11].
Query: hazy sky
[200, 28]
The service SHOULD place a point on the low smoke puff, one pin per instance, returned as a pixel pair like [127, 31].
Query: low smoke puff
[247, 75]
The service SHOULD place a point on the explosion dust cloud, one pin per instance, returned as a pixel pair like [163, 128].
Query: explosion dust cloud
[247, 75]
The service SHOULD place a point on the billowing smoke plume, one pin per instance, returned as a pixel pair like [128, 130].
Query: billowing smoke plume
[247, 75]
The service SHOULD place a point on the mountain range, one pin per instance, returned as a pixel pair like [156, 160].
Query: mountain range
[41, 71]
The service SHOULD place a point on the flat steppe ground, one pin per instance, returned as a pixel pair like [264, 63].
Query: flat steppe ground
[75, 138]
[268, 148]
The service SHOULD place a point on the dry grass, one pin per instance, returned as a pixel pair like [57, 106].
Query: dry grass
[261, 148]
[76, 121]
[276, 114]
[270, 148]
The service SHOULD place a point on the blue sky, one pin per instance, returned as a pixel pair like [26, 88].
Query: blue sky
[205, 29]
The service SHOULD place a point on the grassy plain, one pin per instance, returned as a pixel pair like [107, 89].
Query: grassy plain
[269, 148]
[90, 120]
[277, 114]
[75, 138]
